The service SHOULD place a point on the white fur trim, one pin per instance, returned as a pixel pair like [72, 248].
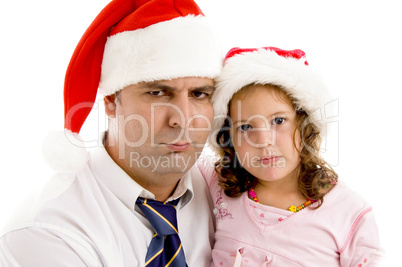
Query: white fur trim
[64, 151]
[181, 47]
[266, 67]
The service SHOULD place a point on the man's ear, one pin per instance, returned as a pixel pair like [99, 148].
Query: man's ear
[110, 105]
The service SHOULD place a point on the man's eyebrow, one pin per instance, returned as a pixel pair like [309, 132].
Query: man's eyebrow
[159, 86]
[203, 88]
[156, 85]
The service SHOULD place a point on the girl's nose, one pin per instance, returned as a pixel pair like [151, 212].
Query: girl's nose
[262, 137]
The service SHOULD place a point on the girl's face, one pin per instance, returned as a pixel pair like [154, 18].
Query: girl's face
[264, 123]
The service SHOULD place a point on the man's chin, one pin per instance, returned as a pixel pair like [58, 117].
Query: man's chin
[173, 162]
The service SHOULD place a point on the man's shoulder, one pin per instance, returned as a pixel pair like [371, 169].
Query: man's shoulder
[57, 190]
[44, 218]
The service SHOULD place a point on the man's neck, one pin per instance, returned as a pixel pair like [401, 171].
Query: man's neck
[162, 189]
[162, 194]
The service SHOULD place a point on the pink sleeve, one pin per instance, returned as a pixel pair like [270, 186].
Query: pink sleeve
[206, 166]
[362, 246]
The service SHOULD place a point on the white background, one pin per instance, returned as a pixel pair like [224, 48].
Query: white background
[355, 45]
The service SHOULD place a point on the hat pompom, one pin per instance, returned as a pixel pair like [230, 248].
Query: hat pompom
[64, 151]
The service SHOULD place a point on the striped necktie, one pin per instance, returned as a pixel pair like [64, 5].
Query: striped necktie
[165, 248]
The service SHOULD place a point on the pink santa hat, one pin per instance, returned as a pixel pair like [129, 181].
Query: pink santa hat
[131, 41]
[287, 69]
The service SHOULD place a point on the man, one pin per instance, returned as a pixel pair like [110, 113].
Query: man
[154, 61]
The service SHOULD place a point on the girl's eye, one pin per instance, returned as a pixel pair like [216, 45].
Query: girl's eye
[244, 127]
[278, 121]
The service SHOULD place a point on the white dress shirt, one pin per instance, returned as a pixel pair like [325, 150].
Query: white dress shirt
[89, 218]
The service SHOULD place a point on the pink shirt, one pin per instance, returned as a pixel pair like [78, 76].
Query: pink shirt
[342, 232]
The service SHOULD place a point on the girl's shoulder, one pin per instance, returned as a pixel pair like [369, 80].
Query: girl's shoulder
[206, 165]
[342, 199]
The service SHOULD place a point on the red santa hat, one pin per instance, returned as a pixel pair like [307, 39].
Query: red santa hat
[287, 69]
[133, 41]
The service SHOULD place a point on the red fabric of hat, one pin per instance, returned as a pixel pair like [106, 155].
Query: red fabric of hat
[84, 71]
[152, 12]
[296, 53]
[130, 41]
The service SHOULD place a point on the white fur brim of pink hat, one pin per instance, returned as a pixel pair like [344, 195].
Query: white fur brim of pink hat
[269, 65]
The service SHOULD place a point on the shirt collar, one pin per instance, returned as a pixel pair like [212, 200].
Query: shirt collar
[125, 188]
[184, 190]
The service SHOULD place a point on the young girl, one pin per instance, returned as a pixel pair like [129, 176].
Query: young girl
[277, 202]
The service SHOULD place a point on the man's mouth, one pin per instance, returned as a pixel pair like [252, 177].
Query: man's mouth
[179, 146]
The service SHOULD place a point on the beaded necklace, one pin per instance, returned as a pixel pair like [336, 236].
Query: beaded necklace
[253, 196]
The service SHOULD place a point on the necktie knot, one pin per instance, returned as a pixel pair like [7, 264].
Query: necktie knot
[161, 215]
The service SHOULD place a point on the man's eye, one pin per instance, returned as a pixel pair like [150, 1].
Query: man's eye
[244, 127]
[278, 121]
[199, 94]
[157, 93]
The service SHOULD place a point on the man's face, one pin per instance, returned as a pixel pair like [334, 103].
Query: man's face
[161, 127]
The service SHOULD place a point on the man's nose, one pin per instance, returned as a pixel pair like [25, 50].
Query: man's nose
[180, 112]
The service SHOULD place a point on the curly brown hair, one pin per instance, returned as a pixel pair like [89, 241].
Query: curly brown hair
[315, 175]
